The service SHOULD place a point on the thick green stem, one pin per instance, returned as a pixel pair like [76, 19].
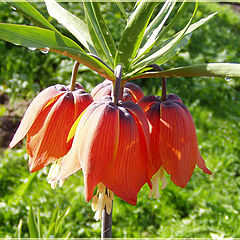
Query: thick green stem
[117, 88]
[74, 76]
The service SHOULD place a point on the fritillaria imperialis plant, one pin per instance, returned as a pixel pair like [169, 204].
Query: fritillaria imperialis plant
[119, 138]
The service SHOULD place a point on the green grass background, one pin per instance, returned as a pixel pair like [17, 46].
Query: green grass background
[209, 206]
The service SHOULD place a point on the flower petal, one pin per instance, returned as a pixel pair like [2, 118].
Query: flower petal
[47, 138]
[147, 101]
[129, 171]
[46, 97]
[178, 142]
[134, 90]
[97, 144]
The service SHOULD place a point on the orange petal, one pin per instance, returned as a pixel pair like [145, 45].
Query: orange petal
[153, 115]
[95, 91]
[129, 171]
[97, 143]
[47, 96]
[135, 91]
[178, 143]
[147, 101]
[82, 100]
[47, 138]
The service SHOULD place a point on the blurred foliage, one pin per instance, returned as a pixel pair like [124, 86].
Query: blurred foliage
[209, 206]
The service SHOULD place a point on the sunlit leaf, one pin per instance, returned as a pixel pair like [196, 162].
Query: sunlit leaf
[32, 225]
[35, 37]
[226, 70]
[32, 14]
[133, 34]
[152, 32]
[100, 34]
[121, 8]
[154, 55]
[72, 23]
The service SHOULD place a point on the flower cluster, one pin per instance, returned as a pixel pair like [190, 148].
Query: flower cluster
[118, 146]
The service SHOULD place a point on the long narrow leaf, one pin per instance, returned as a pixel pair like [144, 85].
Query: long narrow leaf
[121, 8]
[39, 223]
[35, 37]
[19, 230]
[32, 225]
[32, 14]
[133, 34]
[154, 28]
[226, 70]
[99, 32]
[153, 55]
[72, 23]
[182, 9]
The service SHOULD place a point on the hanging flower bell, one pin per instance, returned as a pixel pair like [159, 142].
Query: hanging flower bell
[173, 141]
[47, 122]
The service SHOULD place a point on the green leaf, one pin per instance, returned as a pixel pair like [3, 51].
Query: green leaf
[22, 189]
[152, 32]
[32, 226]
[60, 220]
[51, 228]
[159, 55]
[72, 23]
[100, 34]
[226, 70]
[35, 37]
[133, 34]
[32, 14]
[121, 8]
[19, 230]
[39, 223]
[182, 9]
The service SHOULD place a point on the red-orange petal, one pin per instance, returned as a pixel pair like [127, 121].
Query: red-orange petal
[147, 101]
[153, 115]
[134, 90]
[97, 143]
[129, 171]
[47, 96]
[178, 143]
[47, 138]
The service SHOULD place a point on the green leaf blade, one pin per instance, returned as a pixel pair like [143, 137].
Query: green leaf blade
[32, 226]
[226, 70]
[72, 23]
[133, 34]
[100, 34]
[35, 37]
[32, 13]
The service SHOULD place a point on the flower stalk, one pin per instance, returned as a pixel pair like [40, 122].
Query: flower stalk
[106, 231]
[74, 75]
[117, 88]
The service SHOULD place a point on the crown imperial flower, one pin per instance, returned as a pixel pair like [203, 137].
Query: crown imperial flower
[173, 141]
[47, 122]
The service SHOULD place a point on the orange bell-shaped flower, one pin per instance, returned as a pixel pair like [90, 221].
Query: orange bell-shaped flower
[131, 91]
[111, 145]
[47, 123]
[173, 141]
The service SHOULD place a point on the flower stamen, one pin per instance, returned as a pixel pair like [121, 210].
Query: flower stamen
[103, 199]
[159, 175]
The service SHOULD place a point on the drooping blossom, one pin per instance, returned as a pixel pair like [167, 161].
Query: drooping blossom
[47, 122]
[173, 141]
[131, 92]
[111, 147]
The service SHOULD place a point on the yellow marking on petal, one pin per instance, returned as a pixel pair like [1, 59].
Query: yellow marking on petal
[52, 100]
[74, 127]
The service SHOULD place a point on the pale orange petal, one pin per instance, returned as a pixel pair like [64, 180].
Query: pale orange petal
[50, 94]
[49, 142]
